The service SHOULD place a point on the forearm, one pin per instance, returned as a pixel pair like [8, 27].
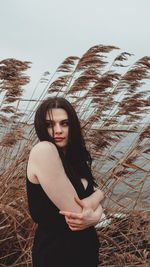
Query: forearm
[98, 214]
[77, 222]
[94, 199]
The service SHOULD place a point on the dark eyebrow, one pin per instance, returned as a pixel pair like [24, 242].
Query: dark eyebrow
[61, 121]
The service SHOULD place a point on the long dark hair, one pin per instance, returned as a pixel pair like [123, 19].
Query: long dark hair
[77, 157]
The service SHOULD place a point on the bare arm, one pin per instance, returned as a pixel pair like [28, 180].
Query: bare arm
[85, 219]
[91, 212]
[46, 165]
[94, 199]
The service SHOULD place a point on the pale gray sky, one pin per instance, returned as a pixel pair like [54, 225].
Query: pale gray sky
[46, 32]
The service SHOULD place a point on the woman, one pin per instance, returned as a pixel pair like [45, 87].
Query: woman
[60, 190]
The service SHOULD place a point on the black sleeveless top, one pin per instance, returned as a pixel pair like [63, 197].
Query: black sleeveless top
[55, 244]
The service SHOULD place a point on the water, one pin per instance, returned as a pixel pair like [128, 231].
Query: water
[130, 184]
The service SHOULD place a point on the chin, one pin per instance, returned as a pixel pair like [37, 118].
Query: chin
[61, 146]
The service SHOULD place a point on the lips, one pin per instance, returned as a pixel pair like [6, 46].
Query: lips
[58, 139]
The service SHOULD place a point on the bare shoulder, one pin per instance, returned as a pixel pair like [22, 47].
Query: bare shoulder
[41, 155]
[43, 148]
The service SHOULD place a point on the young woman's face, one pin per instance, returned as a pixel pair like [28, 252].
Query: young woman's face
[58, 126]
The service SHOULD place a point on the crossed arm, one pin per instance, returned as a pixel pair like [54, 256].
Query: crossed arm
[91, 212]
[45, 164]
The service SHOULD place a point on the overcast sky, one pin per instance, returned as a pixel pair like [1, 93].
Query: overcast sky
[45, 32]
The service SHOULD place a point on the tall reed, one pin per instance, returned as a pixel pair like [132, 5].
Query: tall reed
[111, 96]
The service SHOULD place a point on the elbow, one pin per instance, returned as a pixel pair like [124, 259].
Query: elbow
[101, 195]
[99, 214]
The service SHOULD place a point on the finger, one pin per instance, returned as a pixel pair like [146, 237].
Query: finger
[75, 217]
[74, 228]
[75, 225]
[79, 202]
[65, 213]
[71, 214]
[70, 221]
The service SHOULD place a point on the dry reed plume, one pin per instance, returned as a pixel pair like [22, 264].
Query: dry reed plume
[113, 101]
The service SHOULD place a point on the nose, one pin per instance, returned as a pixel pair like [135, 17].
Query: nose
[58, 128]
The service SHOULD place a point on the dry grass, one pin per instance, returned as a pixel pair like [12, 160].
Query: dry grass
[113, 103]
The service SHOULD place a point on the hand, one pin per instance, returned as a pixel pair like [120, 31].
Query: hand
[80, 221]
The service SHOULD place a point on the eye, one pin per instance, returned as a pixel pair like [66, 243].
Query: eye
[65, 123]
[49, 124]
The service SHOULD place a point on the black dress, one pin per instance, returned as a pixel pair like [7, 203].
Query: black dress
[55, 245]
